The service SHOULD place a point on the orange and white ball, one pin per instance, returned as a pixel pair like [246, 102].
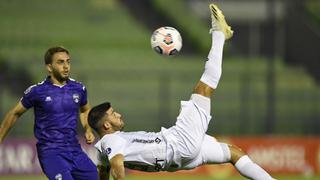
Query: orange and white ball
[166, 41]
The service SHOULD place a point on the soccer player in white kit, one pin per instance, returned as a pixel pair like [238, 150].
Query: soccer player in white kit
[183, 146]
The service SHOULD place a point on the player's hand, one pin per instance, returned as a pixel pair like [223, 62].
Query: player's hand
[89, 137]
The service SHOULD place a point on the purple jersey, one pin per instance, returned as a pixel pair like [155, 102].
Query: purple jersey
[56, 111]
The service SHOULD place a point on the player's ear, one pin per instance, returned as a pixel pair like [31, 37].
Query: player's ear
[106, 125]
[49, 68]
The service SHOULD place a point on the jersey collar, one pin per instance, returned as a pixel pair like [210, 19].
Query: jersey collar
[48, 81]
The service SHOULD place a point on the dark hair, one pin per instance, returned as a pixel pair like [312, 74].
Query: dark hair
[96, 114]
[51, 51]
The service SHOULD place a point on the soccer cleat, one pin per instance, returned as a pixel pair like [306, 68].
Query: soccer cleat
[218, 22]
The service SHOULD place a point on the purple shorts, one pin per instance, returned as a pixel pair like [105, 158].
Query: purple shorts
[68, 166]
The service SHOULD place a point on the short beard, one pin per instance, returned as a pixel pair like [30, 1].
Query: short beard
[58, 76]
[117, 128]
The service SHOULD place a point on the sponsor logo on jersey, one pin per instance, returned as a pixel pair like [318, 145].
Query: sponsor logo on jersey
[157, 140]
[108, 151]
[48, 99]
[76, 98]
[146, 141]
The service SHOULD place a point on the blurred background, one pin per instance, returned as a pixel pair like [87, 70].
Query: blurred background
[270, 87]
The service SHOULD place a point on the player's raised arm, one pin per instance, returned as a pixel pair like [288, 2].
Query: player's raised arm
[9, 120]
[117, 167]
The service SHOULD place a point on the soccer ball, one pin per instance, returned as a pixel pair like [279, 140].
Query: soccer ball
[166, 41]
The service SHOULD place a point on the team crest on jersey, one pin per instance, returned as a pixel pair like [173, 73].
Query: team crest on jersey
[76, 98]
[108, 151]
[58, 177]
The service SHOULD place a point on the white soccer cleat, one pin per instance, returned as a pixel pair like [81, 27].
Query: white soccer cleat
[218, 22]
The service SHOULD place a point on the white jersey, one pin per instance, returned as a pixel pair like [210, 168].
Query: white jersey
[144, 151]
[169, 150]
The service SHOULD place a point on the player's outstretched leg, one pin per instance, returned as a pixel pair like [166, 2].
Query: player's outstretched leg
[246, 166]
[220, 32]
[214, 152]
[192, 122]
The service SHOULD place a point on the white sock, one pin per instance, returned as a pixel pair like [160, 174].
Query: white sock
[251, 170]
[213, 70]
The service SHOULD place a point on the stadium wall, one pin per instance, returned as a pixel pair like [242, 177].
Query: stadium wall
[278, 155]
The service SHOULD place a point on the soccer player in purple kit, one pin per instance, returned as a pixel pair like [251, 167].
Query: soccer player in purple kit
[58, 102]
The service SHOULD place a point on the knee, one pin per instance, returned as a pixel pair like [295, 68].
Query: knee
[236, 153]
[203, 89]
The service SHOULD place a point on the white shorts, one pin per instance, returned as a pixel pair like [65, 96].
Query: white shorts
[192, 124]
[188, 144]
[211, 152]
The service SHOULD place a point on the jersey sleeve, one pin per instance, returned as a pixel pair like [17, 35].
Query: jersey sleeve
[113, 145]
[84, 96]
[27, 99]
